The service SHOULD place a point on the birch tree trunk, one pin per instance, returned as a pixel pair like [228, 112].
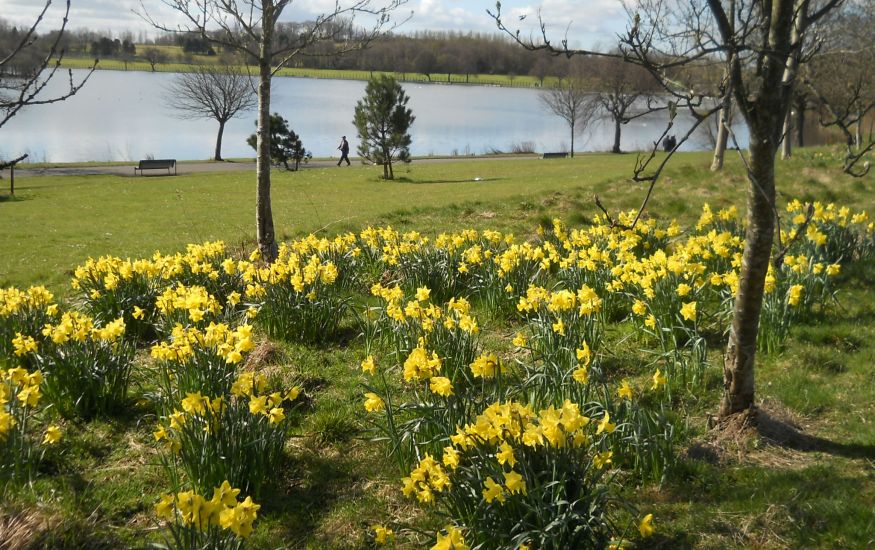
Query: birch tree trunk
[738, 362]
[722, 134]
[263, 213]
[790, 70]
[765, 117]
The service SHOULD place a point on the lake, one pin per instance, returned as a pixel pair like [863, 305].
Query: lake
[121, 116]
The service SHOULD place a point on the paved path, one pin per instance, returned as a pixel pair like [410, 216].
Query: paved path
[205, 167]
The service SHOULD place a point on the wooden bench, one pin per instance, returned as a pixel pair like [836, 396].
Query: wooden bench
[554, 155]
[156, 164]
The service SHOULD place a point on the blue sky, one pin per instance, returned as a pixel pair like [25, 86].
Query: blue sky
[588, 22]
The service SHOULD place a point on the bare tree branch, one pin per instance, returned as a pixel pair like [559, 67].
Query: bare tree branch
[27, 88]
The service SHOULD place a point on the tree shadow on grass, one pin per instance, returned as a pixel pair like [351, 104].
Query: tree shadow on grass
[312, 486]
[426, 182]
[774, 429]
[778, 431]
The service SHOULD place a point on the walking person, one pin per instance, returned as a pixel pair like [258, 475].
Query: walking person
[344, 151]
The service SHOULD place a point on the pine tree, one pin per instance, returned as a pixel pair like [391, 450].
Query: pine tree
[383, 121]
[285, 144]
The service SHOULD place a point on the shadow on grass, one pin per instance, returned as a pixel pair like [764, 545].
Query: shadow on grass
[780, 432]
[773, 507]
[313, 485]
[12, 198]
[425, 182]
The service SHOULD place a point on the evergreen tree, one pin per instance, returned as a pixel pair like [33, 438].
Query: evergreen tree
[383, 121]
[285, 144]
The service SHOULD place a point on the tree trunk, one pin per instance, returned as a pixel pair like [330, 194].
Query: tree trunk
[738, 362]
[617, 130]
[800, 124]
[858, 133]
[263, 214]
[765, 117]
[218, 155]
[722, 134]
[572, 140]
[787, 133]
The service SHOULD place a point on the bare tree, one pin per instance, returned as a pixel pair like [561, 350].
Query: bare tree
[250, 27]
[218, 93]
[22, 84]
[758, 38]
[154, 56]
[572, 102]
[620, 86]
[842, 80]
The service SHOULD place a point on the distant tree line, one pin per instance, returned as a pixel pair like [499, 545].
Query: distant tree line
[107, 47]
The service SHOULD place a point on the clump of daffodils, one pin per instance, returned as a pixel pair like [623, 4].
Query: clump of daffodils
[208, 522]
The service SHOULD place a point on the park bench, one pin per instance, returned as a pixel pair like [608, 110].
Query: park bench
[554, 155]
[156, 164]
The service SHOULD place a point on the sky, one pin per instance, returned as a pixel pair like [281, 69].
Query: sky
[588, 23]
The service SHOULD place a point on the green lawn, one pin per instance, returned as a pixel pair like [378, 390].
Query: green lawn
[727, 492]
[178, 67]
[54, 223]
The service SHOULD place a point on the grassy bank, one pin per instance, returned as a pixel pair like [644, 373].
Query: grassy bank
[175, 67]
[734, 489]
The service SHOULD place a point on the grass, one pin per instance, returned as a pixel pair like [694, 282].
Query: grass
[178, 67]
[754, 491]
[47, 236]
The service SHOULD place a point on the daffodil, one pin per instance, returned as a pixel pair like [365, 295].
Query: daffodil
[505, 454]
[52, 435]
[368, 365]
[373, 402]
[492, 490]
[166, 506]
[453, 540]
[625, 390]
[688, 311]
[514, 482]
[605, 425]
[258, 405]
[659, 380]
[584, 355]
[382, 534]
[441, 385]
[646, 527]
[519, 340]
[600, 460]
[276, 415]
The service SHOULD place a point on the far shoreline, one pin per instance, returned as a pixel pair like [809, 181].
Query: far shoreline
[487, 80]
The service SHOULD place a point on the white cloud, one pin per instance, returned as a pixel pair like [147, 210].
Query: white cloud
[586, 21]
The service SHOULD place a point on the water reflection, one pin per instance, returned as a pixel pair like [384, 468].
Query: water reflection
[123, 116]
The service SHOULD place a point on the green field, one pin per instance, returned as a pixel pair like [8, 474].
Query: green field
[178, 67]
[54, 223]
[726, 492]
